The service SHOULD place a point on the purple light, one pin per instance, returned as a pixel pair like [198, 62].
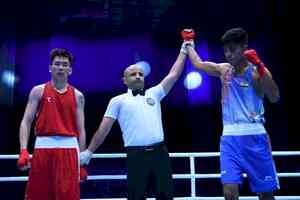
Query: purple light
[192, 80]
[98, 65]
[201, 94]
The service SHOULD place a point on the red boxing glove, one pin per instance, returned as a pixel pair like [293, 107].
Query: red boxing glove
[187, 34]
[23, 161]
[83, 174]
[252, 56]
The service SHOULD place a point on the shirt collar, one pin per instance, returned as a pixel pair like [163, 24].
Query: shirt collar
[129, 91]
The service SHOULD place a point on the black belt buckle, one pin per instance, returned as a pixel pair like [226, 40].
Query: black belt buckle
[153, 147]
[150, 148]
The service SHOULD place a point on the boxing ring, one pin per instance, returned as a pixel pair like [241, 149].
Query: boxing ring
[192, 175]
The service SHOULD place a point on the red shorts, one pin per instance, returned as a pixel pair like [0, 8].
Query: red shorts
[54, 175]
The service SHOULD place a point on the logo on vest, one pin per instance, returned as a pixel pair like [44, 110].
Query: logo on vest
[50, 99]
[150, 101]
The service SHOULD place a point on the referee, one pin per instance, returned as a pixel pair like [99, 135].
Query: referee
[138, 112]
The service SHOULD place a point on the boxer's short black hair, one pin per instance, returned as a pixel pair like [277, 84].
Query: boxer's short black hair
[235, 35]
[61, 53]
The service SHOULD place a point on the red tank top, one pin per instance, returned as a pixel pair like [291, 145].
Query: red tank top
[57, 113]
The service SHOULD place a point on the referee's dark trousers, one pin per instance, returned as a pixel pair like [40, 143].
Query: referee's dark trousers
[145, 162]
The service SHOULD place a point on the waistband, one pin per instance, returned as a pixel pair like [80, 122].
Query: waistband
[56, 142]
[151, 147]
[239, 129]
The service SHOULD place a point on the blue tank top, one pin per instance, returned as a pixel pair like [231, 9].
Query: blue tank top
[240, 103]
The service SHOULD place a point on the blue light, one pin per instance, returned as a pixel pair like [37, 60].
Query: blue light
[192, 80]
[145, 67]
[8, 78]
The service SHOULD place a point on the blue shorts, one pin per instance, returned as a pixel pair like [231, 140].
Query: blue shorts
[250, 154]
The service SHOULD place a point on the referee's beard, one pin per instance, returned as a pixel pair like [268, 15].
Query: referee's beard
[136, 85]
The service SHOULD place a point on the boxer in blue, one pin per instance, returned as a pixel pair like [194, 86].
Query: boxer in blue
[245, 145]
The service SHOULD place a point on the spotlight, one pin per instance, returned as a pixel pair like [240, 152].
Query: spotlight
[192, 80]
[145, 67]
[8, 78]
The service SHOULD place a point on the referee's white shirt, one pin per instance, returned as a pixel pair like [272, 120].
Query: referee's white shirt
[139, 116]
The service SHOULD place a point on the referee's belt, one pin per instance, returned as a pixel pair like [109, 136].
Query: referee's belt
[150, 147]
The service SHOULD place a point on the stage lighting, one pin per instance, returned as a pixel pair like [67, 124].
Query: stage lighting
[8, 78]
[192, 80]
[145, 67]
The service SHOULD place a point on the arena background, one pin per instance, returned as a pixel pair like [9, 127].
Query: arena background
[107, 36]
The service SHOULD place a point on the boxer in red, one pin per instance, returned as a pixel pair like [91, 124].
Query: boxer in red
[58, 109]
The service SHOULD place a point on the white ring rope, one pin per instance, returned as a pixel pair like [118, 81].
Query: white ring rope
[192, 175]
[177, 155]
